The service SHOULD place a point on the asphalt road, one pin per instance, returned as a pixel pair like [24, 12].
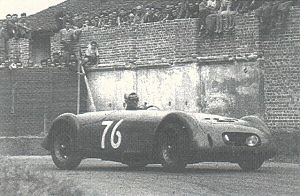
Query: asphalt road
[97, 177]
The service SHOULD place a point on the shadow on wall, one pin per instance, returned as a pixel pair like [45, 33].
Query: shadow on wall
[230, 90]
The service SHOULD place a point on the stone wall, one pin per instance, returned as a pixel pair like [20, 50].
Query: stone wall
[29, 101]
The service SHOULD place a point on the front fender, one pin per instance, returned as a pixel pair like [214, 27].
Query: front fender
[66, 122]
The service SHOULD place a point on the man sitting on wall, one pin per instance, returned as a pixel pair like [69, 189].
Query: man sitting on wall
[91, 56]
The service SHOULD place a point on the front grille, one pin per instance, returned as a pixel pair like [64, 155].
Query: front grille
[236, 138]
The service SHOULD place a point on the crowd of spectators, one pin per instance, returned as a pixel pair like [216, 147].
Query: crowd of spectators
[210, 13]
[16, 27]
[12, 27]
[215, 16]
[11, 63]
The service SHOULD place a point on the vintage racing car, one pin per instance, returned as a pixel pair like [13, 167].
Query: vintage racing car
[171, 138]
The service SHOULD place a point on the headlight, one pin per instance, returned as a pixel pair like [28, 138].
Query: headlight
[226, 138]
[252, 140]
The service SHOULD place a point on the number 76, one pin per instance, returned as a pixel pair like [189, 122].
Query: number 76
[114, 133]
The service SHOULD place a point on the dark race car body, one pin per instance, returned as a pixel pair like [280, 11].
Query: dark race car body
[173, 139]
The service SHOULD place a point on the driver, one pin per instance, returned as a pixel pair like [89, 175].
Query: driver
[132, 101]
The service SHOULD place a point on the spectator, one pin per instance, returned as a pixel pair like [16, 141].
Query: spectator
[113, 19]
[56, 57]
[91, 56]
[130, 19]
[14, 27]
[66, 39]
[19, 65]
[182, 6]
[63, 64]
[2, 65]
[58, 65]
[73, 57]
[147, 16]
[96, 18]
[86, 25]
[62, 17]
[77, 20]
[203, 13]
[9, 26]
[3, 39]
[138, 15]
[94, 22]
[43, 63]
[211, 20]
[264, 14]
[49, 62]
[212, 5]
[101, 21]
[224, 11]
[29, 63]
[73, 66]
[122, 18]
[24, 30]
[283, 9]
[192, 10]
[156, 14]
[13, 63]
[168, 14]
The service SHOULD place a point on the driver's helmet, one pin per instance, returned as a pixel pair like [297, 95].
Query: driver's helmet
[131, 101]
[131, 97]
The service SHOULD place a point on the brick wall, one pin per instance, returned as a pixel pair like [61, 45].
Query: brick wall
[281, 49]
[20, 48]
[142, 43]
[31, 98]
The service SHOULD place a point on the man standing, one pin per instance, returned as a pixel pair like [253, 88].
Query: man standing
[24, 30]
[3, 39]
[66, 39]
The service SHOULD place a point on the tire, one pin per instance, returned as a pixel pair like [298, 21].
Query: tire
[63, 154]
[251, 164]
[173, 148]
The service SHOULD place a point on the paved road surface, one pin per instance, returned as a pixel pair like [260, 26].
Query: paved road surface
[98, 177]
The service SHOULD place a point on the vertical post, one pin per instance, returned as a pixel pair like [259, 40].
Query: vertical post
[13, 92]
[78, 87]
[45, 119]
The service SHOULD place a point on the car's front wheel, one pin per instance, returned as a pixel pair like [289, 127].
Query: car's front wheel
[251, 164]
[173, 148]
[63, 154]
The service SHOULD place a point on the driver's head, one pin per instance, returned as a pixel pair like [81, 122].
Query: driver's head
[131, 101]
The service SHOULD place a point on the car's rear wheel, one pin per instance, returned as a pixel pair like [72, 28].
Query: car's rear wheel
[251, 164]
[173, 148]
[63, 153]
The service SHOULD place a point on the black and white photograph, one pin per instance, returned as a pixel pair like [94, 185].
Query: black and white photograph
[149, 97]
